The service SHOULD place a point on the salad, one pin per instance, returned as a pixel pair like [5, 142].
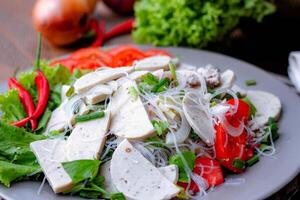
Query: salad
[122, 123]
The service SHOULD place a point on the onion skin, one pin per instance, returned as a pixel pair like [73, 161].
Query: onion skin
[62, 22]
[123, 7]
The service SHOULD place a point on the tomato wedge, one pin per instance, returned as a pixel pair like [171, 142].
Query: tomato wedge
[231, 151]
[210, 170]
[125, 56]
[156, 52]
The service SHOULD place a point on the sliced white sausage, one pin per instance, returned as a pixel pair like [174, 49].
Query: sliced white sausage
[170, 172]
[64, 90]
[227, 79]
[153, 63]
[98, 94]
[50, 154]
[267, 105]
[134, 176]
[64, 115]
[129, 116]
[92, 79]
[198, 118]
[87, 139]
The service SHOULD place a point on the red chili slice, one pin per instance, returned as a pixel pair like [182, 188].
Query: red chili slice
[125, 56]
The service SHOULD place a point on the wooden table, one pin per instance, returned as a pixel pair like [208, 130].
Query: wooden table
[18, 37]
[18, 43]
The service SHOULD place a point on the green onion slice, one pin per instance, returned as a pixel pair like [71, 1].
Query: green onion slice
[88, 117]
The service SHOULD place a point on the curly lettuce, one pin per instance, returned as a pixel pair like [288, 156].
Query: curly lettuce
[193, 23]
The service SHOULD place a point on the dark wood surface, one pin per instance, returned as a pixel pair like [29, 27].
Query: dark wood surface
[267, 45]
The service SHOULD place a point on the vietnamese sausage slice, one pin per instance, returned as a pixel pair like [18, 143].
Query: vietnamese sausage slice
[227, 79]
[50, 154]
[267, 105]
[92, 79]
[87, 139]
[153, 63]
[129, 116]
[198, 118]
[170, 172]
[136, 177]
[98, 94]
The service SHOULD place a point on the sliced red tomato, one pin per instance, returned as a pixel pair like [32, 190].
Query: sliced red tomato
[231, 149]
[155, 52]
[92, 53]
[209, 169]
[125, 55]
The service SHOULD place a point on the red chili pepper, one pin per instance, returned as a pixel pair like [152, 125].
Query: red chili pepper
[99, 28]
[43, 88]
[22, 122]
[27, 102]
[120, 29]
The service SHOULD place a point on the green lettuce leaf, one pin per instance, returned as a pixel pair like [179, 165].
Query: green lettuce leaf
[176, 160]
[10, 171]
[17, 160]
[80, 170]
[193, 23]
[11, 107]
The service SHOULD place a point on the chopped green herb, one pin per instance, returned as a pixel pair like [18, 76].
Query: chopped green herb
[253, 160]
[161, 86]
[250, 82]
[273, 127]
[173, 73]
[238, 163]
[190, 158]
[88, 117]
[117, 196]
[55, 133]
[160, 126]
[252, 106]
[133, 92]
[70, 91]
[150, 79]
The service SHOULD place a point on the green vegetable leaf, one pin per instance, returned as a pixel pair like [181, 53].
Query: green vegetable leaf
[14, 147]
[10, 171]
[273, 127]
[252, 107]
[80, 170]
[176, 160]
[44, 121]
[56, 74]
[11, 107]
[133, 92]
[160, 126]
[192, 22]
[150, 79]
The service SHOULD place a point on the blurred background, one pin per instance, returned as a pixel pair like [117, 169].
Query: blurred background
[261, 32]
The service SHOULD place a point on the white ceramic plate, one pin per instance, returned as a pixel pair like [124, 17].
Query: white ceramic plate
[261, 180]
